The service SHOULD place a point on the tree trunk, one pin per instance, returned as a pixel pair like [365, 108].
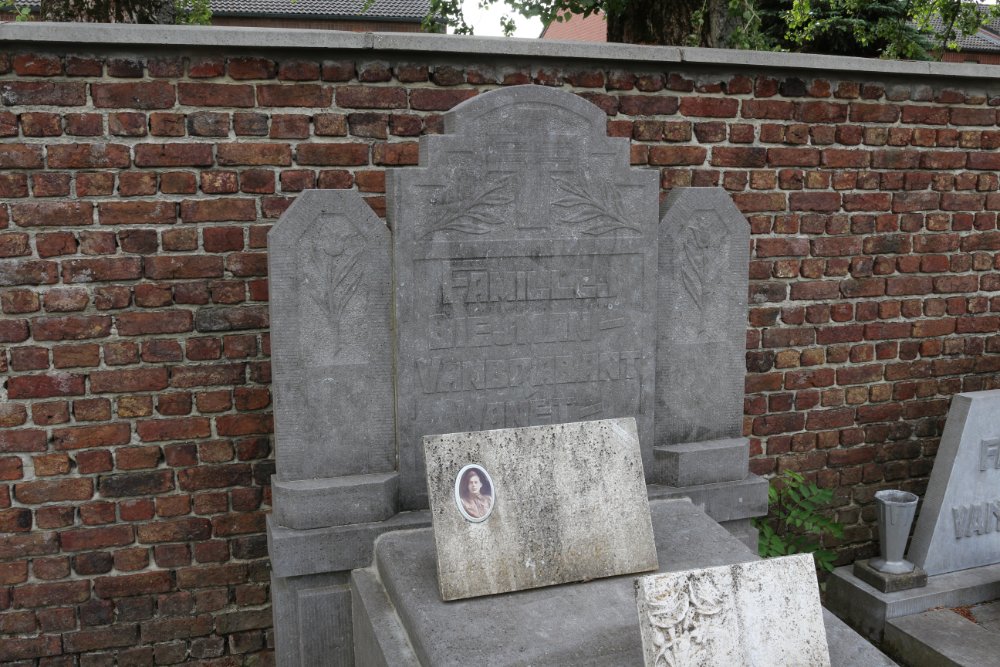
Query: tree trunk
[676, 22]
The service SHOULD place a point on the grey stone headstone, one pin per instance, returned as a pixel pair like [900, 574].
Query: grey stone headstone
[525, 263]
[552, 504]
[959, 523]
[329, 263]
[761, 613]
[701, 319]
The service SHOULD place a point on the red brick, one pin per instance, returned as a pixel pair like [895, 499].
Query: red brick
[102, 269]
[158, 322]
[214, 477]
[40, 124]
[136, 484]
[251, 68]
[245, 424]
[14, 245]
[52, 214]
[157, 430]
[92, 640]
[677, 155]
[46, 595]
[10, 468]
[370, 97]
[89, 539]
[648, 105]
[88, 156]
[173, 155]
[136, 213]
[70, 327]
[255, 154]
[33, 64]
[27, 272]
[44, 386]
[432, 99]
[294, 95]
[140, 379]
[17, 520]
[215, 95]
[37, 492]
[346, 154]
[101, 435]
[173, 267]
[133, 95]
[146, 583]
[47, 93]
[218, 210]
[178, 530]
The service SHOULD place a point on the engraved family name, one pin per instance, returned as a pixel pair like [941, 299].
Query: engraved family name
[525, 267]
[959, 522]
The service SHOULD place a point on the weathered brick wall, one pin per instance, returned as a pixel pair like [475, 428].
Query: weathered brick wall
[136, 192]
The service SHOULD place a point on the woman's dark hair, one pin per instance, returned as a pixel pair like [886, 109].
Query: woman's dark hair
[463, 486]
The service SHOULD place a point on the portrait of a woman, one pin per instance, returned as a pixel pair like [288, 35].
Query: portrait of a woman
[474, 493]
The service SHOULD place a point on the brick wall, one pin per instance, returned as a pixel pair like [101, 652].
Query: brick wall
[136, 192]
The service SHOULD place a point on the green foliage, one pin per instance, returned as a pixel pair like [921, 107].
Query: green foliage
[192, 12]
[20, 12]
[872, 28]
[795, 523]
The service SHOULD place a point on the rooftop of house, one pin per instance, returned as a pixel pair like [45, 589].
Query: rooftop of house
[400, 10]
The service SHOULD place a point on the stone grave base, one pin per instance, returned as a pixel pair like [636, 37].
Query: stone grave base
[872, 612]
[399, 619]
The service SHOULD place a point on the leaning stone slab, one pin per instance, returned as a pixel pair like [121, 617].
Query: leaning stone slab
[701, 318]
[525, 263]
[959, 523]
[761, 613]
[331, 357]
[529, 507]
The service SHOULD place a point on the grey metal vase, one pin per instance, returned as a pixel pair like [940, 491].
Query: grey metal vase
[895, 516]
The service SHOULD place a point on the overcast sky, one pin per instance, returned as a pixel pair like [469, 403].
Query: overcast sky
[487, 22]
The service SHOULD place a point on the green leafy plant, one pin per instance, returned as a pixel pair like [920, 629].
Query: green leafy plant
[20, 12]
[192, 12]
[795, 523]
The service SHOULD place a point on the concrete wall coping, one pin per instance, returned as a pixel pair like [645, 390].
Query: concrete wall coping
[109, 35]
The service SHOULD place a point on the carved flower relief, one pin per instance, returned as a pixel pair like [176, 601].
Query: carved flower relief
[680, 616]
[331, 274]
[701, 260]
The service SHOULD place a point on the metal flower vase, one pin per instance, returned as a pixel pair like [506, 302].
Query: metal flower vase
[895, 516]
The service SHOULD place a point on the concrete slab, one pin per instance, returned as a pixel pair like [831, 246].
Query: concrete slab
[940, 638]
[334, 501]
[887, 582]
[723, 501]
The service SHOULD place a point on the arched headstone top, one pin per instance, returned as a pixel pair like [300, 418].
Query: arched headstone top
[504, 109]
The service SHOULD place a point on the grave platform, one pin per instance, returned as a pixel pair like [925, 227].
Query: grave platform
[400, 620]
[868, 609]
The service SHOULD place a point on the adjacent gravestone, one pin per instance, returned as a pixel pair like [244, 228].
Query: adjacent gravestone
[525, 262]
[959, 522]
[765, 612]
[530, 507]
[704, 252]
[331, 358]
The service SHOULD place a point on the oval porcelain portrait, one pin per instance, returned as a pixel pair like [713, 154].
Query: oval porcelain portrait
[474, 493]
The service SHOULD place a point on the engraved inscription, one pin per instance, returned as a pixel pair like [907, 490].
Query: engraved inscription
[525, 258]
[976, 519]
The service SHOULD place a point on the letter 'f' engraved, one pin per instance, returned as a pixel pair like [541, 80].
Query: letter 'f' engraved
[989, 449]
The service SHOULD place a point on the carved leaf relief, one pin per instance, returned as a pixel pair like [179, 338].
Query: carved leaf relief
[594, 215]
[475, 214]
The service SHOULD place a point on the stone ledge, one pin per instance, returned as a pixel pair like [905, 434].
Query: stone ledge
[335, 501]
[146, 36]
[335, 549]
[723, 501]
